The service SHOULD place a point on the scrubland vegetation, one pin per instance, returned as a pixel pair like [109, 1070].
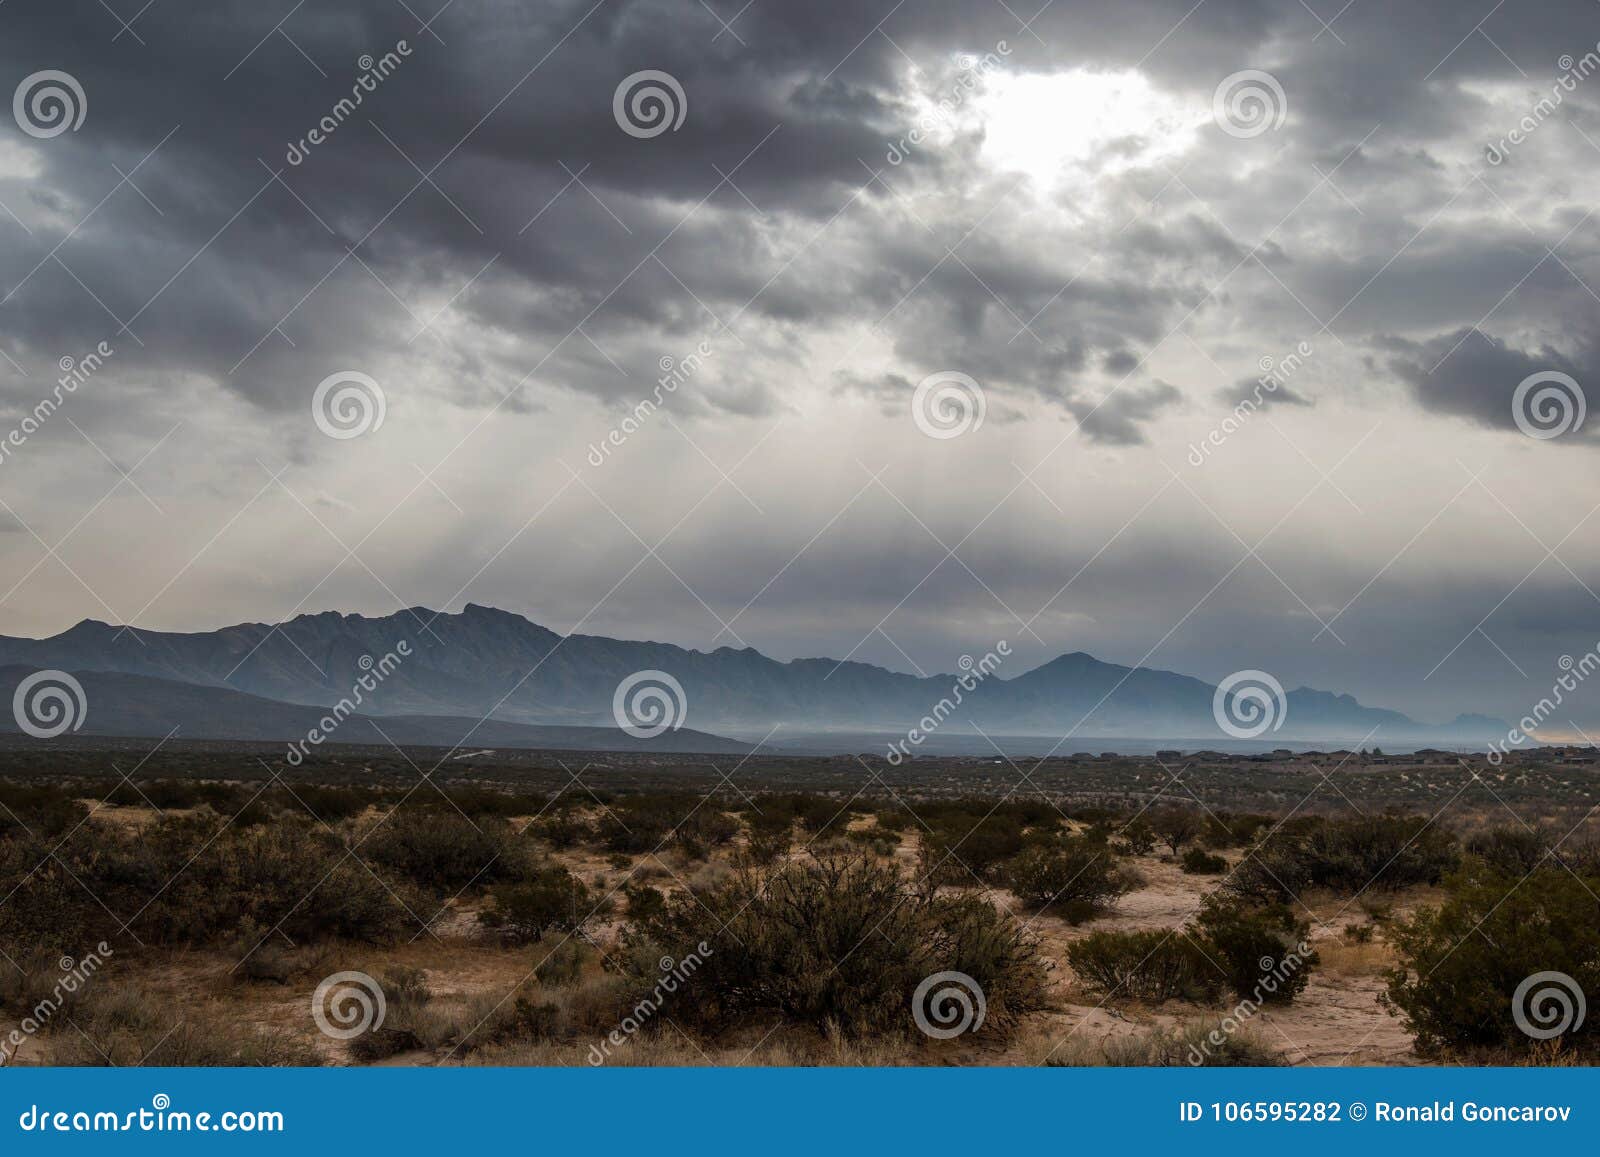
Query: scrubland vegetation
[581, 926]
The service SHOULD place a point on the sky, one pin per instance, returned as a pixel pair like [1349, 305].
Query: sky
[869, 329]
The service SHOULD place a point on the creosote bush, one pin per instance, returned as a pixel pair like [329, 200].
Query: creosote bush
[1152, 966]
[1461, 964]
[1072, 872]
[839, 942]
[1262, 949]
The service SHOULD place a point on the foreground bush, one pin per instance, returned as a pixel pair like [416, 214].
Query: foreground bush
[1460, 965]
[838, 943]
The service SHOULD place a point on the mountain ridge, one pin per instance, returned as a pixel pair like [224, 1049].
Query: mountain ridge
[487, 662]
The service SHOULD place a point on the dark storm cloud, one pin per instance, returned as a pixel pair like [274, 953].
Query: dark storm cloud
[484, 237]
[1471, 374]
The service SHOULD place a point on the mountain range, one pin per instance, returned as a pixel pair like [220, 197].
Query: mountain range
[536, 688]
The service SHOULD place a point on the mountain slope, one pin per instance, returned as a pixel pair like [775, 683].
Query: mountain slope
[140, 705]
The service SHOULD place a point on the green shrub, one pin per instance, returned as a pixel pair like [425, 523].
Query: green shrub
[1460, 965]
[553, 899]
[1199, 862]
[442, 851]
[1176, 826]
[1152, 966]
[1348, 855]
[1262, 949]
[963, 849]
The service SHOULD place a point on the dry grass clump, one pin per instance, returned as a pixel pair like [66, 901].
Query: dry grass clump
[1195, 1043]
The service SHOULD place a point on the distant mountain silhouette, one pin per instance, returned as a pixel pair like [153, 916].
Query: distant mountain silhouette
[486, 662]
[139, 705]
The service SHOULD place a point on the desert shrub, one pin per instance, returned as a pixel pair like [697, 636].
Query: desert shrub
[962, 849]
[705, 828]
[407, 1000]
[643, 901]
[563, 964]
[639, 823]
[1506, 849]
[1262, 949]
[552, 899]
[873, 841]
[440, 850]
[332, 804]
[1460, 964]
[1067, 871]
[771, 834]
[1176, 826]
[1229, 830]
[1199, 862]
[562, 829]
[1347, 854]
[1138, 837]
[38, 811]
[191, 880]
[840, 942]
[1152, 966]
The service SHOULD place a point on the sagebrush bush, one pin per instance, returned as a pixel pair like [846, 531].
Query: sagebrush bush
[842, 941]
[442, 851]
[1152, 966]
[550, 900]
[192, 880]
[1196, 1044]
